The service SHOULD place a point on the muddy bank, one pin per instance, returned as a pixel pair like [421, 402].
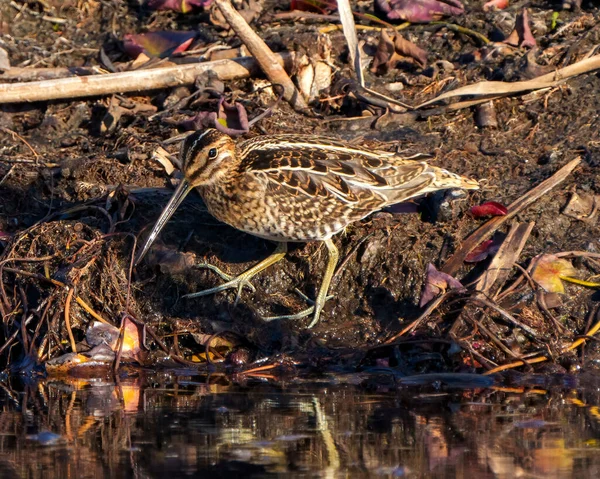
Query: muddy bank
[79, 183]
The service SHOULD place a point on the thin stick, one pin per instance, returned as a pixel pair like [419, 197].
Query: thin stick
[415, 324]
[263, 54]
[466, 31]
[578, 342]
[92, 313]
[23, 140]
[134, 81]
[496, 340]
[68, 320]
[79, 300]
[505, 314]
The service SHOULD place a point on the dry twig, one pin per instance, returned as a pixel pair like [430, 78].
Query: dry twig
[263, 54]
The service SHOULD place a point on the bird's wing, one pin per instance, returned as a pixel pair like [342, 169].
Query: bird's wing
[316, 167]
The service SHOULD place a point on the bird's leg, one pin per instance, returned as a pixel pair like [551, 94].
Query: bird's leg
[322, 297]
[243, 279]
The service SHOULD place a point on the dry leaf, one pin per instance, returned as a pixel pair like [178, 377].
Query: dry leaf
[157, 44]
[393, 49]
[571, 4]
[132, 339]
[583, 207]
[170, 261]
[521, 36]
[102, 333]
[549, 271]
[164, 158]
[437, 283]
[106, 334]
[248, 9]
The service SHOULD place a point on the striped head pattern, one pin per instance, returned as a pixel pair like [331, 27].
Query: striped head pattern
[203, 154]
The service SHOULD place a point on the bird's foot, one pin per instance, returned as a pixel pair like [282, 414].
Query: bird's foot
[242, 280]
[315, 309]
[232, 282]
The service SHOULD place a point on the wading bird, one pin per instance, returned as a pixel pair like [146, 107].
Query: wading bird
[295, 188]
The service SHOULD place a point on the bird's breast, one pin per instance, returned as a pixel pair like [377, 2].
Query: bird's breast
[277, 217]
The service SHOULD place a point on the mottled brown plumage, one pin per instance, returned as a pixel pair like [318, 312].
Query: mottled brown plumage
[297, 188]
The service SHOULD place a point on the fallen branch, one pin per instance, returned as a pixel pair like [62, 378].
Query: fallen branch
[489, 90]
[487, 229]
[28, 74]
[134, 81]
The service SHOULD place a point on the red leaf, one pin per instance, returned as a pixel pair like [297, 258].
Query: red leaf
[490, 208]
[316, 6]
[419, 11]
[183, 6]
[157, 44]
[232, 119]
[495, 5]
[482, 251]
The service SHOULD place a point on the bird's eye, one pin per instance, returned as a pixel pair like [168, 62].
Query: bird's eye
[212, 153]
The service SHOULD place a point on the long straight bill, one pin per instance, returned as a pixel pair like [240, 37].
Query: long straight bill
[180, 193]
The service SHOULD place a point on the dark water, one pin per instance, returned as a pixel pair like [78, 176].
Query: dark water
[165, 426]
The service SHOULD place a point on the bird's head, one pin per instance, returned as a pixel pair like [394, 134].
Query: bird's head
[205, 156]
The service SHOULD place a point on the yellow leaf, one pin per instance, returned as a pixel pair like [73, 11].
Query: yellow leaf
[549, 271]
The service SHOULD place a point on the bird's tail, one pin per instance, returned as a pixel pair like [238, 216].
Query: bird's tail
[445, 179]
[430, 180]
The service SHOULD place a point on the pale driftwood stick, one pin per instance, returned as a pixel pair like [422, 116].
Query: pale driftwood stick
[263, 54]
[494, 277]
[487, 229]
[27, 74]
[134, 81]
